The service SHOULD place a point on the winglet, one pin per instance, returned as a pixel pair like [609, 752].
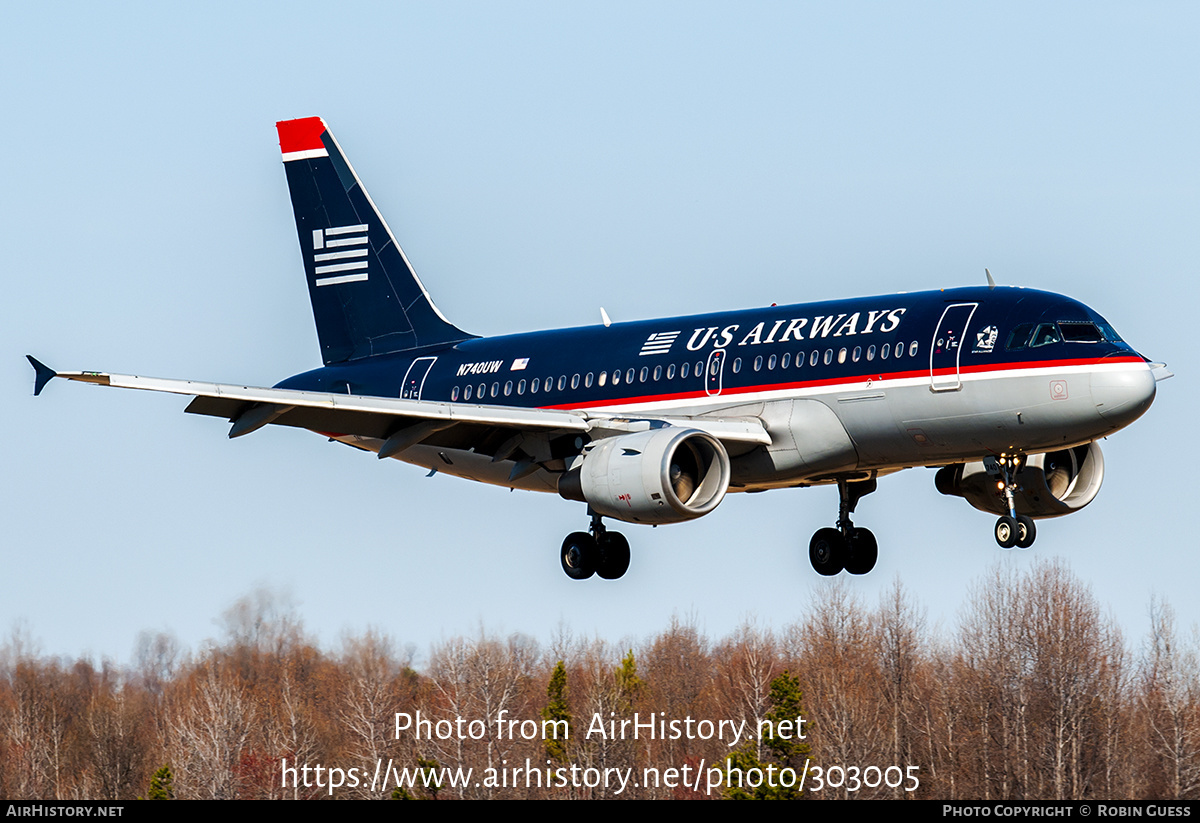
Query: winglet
[991, 282]
[43, 374]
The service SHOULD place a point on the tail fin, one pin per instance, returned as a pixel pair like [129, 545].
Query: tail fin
[366, 298]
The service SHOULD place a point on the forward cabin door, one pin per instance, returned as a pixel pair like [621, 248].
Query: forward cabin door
[948, 340]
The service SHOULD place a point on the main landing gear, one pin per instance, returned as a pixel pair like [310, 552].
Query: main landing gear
[601, 552]
[1012, 529]
[846, 547]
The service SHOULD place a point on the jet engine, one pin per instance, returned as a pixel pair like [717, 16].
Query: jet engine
[1050, 484]
[665, 475]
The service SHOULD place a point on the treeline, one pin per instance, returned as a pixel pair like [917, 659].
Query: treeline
[1033, 695]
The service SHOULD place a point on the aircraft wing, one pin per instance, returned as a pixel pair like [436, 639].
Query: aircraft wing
[400, 423]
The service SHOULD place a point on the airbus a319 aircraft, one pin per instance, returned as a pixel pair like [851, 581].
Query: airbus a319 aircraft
[1003, 390]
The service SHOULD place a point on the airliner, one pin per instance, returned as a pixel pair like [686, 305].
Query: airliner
[1003, 390]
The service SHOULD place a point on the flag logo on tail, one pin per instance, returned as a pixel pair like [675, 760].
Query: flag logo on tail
[340, 254]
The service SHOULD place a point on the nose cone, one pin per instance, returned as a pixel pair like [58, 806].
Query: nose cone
[1123, 395]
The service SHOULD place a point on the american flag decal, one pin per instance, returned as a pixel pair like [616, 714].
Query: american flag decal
[349, 254]
[658, 343]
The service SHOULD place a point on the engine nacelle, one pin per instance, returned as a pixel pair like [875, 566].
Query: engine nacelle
[1052, 484]
[665, 475]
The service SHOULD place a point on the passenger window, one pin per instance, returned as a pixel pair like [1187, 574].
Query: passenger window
[574, 381]
[737, 365]
[699, 367]
[1018, 338]
[643, 374]
[467, 393]
[533, 386]
[683, 370]
[603, 378]
[508, 388]
[481, 392]
[857, 354]
[758, 363]
[617, 377]
[1045, 334]
[671, 371]
[885, 351]
[454, 394]
[587, 381]
[562, 382]
[812, 360]
[786, 361]
[828, 356]
[771, 363]
[521, 387]
[871, 352]
[842, 356]
[629, 373]
[912, 349]
[496, 389]
[899, 351]
[657, 373]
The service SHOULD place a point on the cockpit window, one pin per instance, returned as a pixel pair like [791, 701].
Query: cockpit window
[1080, 331]
[1045, 334]
[1110, 334]
[1018, 338]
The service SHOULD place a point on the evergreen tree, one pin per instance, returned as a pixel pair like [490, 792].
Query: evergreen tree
[782, 746]
[162, 784]
[558, 714]
[629, 685]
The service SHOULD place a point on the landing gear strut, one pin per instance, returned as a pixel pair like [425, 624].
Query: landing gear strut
[1012, 529]
[846, 547]
[599, 552]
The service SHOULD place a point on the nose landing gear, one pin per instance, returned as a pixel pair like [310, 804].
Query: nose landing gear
[847, 547]
[1012, 529]
[601, 552]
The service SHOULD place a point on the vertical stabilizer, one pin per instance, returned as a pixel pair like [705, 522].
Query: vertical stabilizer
[366, 298]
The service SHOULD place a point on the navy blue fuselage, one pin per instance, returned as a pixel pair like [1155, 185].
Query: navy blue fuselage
[763, 350]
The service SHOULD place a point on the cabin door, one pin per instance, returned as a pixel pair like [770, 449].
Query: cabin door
[414, 379]
[946, 348]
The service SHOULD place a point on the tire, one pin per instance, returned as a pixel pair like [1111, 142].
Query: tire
[579, 555]
[1026, 531]
[613, 556]
[827, 552]
[863, 552]
[1006, 532]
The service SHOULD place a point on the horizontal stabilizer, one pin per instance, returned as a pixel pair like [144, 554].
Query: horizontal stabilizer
[43, 374]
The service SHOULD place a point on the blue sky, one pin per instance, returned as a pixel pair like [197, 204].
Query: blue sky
[538, 161]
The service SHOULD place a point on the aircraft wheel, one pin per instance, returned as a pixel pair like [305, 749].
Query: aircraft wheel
[1026, 531]
[613, 560]
[579, 555]
[863, 552]
[827, 551]
[1006, 532]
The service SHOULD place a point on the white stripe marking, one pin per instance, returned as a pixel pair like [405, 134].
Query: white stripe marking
[340, 255]
[307, 154]
[318, 239]
[345, 278]
[341, 267]
[347, 241]
[346, 229]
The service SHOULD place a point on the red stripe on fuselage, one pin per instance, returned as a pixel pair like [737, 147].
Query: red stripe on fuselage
[835, 381]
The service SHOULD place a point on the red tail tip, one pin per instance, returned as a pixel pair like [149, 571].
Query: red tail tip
[300, 135]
